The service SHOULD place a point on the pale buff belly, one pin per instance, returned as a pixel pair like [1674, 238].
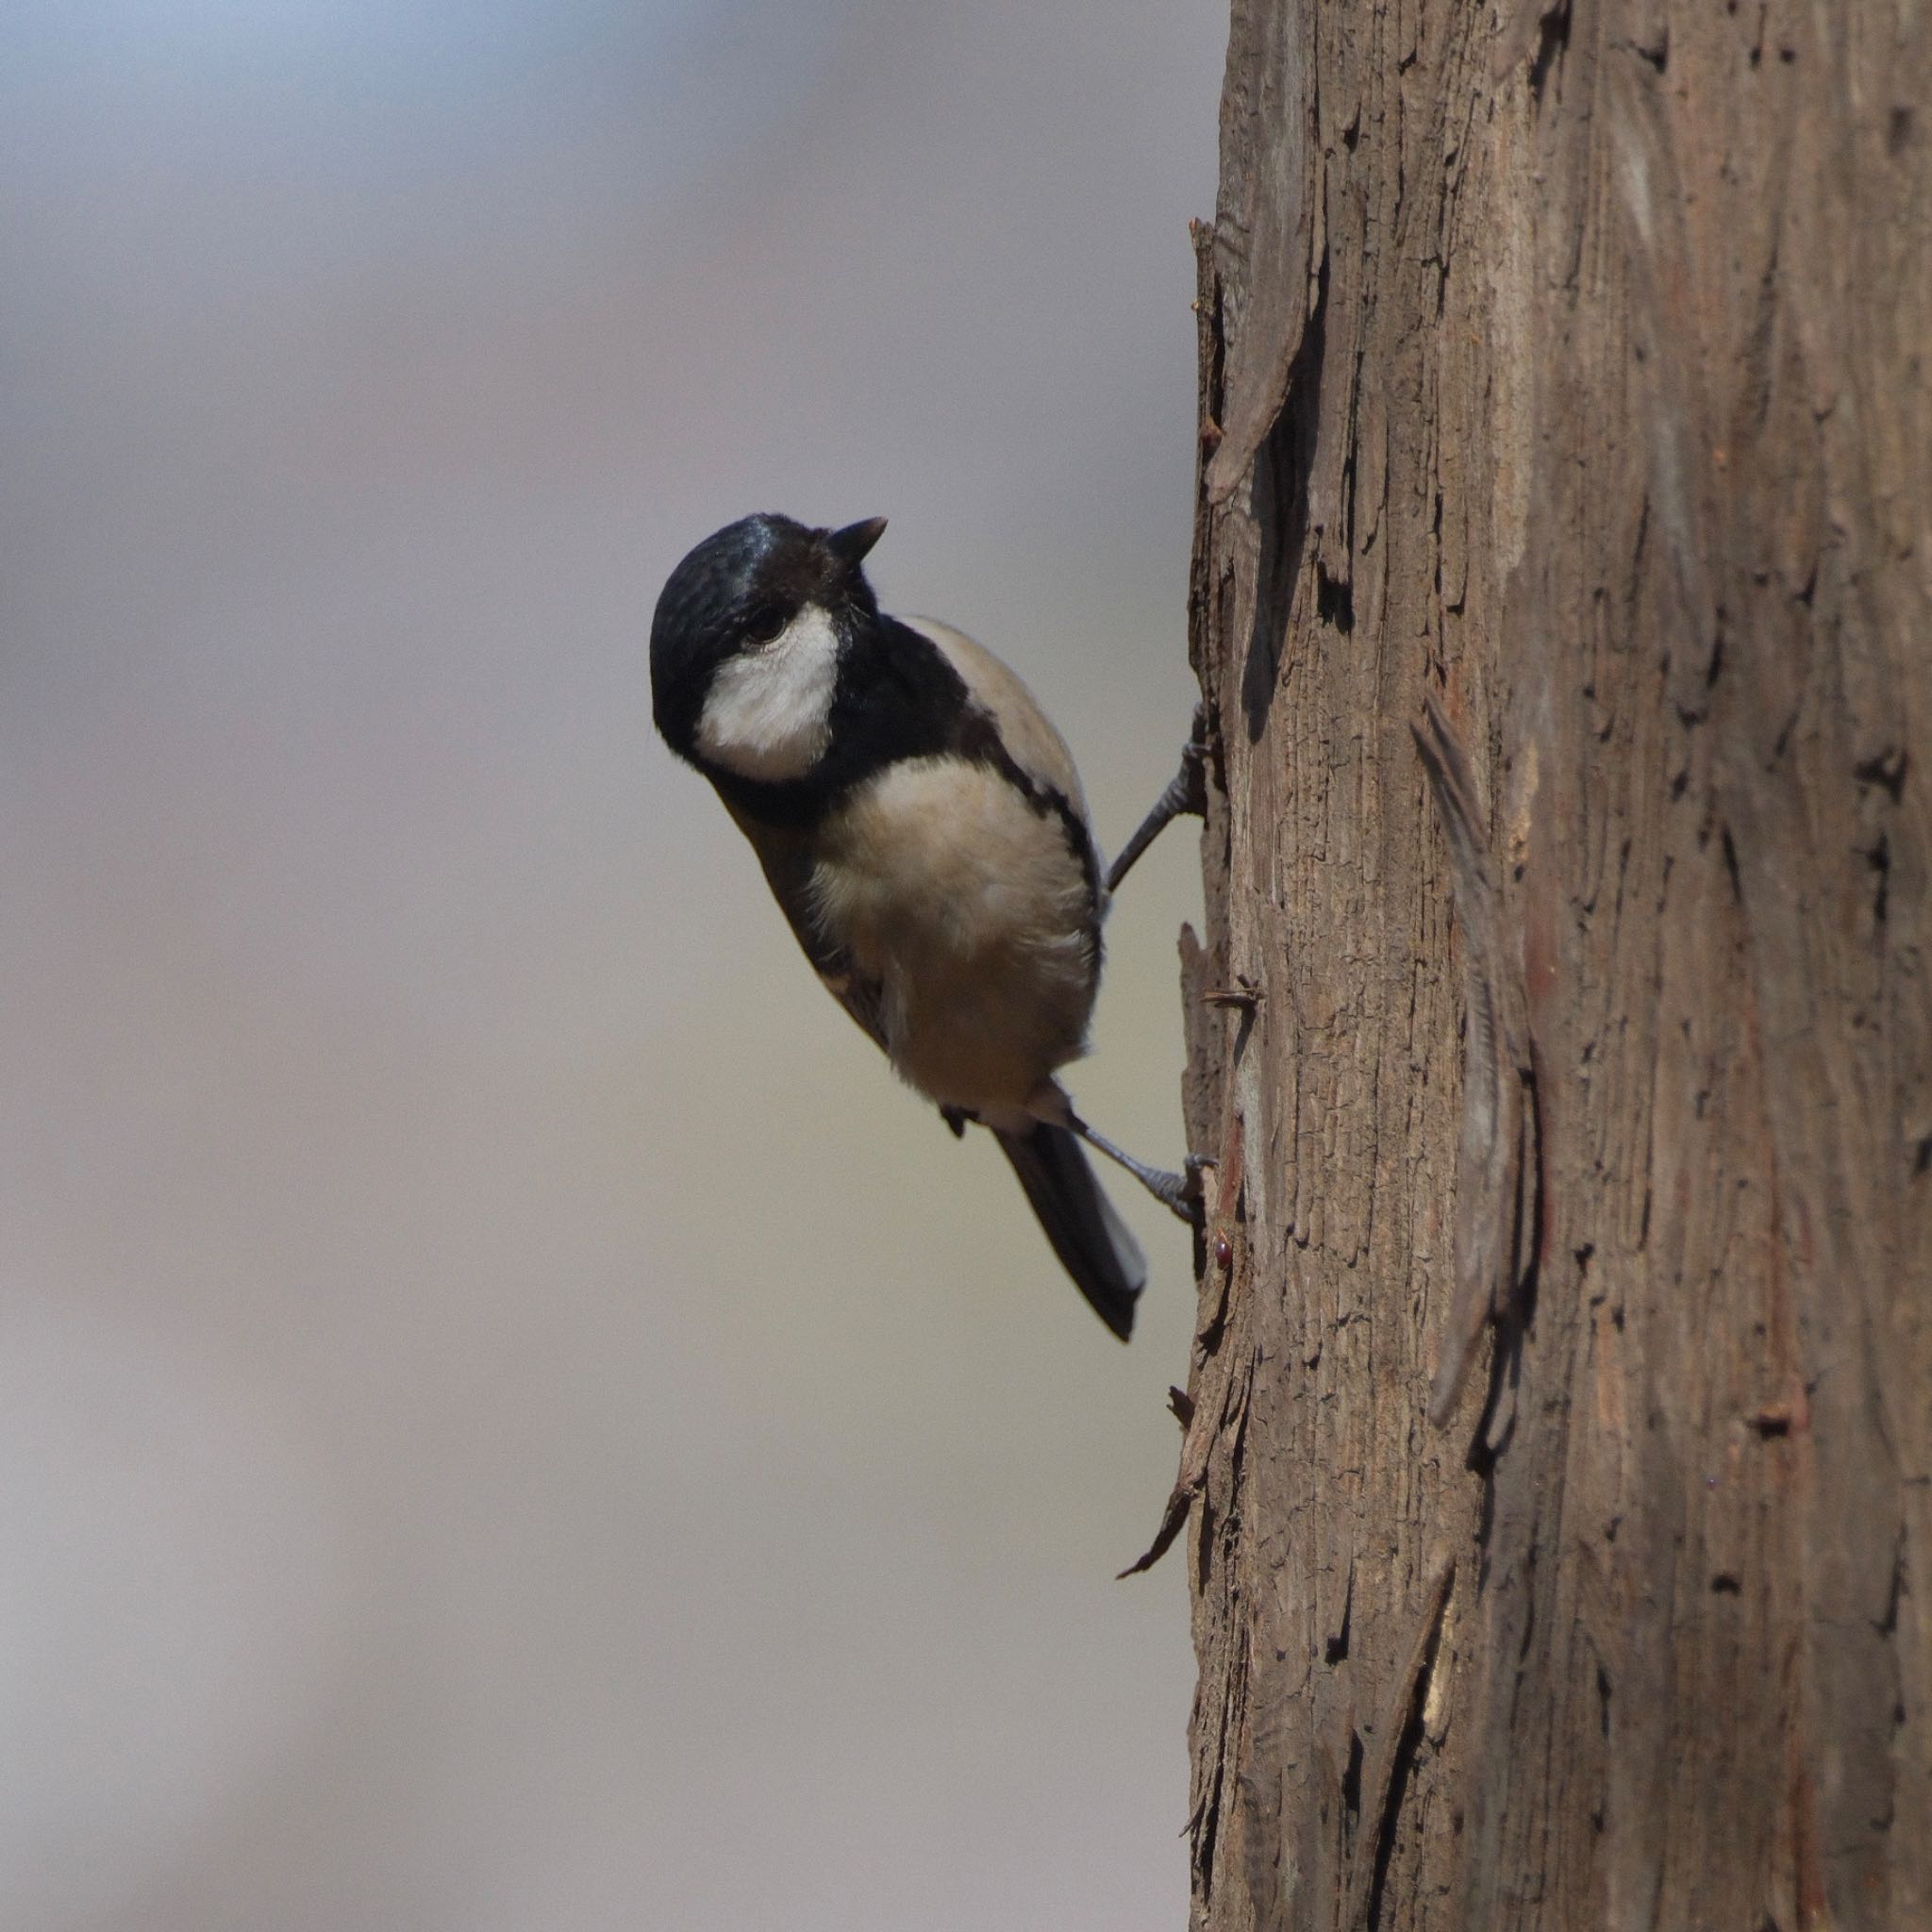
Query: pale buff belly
[936, 882]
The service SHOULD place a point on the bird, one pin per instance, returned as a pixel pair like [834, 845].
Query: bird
[923, 828]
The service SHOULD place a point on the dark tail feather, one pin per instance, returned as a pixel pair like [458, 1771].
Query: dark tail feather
[1090, 1238]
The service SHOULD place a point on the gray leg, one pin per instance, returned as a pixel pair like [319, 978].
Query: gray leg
[1186, 791]
[1171, 1191]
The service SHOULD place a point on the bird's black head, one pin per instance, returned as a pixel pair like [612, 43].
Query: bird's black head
[743, 592]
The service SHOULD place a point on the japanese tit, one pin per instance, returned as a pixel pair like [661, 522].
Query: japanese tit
[921, 826]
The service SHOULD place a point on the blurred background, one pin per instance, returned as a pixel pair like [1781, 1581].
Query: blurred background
[509, 1418]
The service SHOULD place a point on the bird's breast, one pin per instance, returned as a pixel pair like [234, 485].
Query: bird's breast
[969, 908]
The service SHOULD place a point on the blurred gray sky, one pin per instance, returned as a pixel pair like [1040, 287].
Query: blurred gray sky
[508, 1417]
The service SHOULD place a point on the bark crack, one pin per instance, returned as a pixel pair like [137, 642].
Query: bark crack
[1398, 1736]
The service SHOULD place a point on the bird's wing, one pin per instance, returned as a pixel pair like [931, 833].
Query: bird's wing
[1024, 729]
[785, 857]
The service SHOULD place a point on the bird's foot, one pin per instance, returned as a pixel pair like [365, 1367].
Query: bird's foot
[1180, 1193]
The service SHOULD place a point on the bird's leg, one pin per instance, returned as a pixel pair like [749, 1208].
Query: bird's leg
[1171, 1191]
[1186, 791]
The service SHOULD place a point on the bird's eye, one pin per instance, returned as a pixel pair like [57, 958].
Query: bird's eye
[764, 628]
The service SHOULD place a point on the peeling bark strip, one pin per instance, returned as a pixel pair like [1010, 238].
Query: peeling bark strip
[1496, 1178]
[1570, 357]
[1216, 1399]
[1266, 210]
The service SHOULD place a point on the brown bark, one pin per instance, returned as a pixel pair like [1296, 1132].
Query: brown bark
[1574, 368]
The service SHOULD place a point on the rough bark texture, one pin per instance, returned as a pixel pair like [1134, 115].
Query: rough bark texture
[1570, 363]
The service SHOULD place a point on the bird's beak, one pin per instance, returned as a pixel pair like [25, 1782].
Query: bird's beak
[850, 544]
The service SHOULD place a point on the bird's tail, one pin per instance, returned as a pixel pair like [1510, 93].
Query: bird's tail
[1091, 1238]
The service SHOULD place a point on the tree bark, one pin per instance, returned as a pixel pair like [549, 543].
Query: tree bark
[1570, 366]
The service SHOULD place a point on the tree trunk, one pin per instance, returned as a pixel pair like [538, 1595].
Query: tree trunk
[1572, 367]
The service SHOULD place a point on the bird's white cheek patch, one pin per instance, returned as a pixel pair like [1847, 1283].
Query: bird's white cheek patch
[769, 713]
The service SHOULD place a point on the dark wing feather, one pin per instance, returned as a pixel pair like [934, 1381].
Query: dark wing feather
[1090, 1238]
